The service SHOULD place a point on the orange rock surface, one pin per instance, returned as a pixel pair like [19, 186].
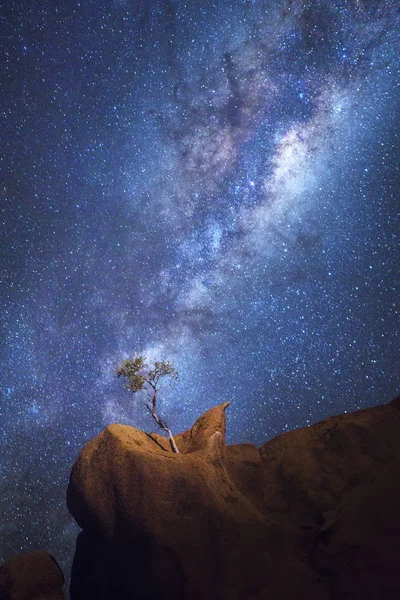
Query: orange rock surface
[311, 514]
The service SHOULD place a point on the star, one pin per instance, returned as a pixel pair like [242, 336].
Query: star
[211, 185]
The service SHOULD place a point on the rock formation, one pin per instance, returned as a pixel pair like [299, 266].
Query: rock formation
[31, 576]
[313, 514]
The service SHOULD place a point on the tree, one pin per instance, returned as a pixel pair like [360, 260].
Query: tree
[149, 378]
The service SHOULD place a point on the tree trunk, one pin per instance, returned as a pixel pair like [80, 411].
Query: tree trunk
[162, 425]
[172, 441]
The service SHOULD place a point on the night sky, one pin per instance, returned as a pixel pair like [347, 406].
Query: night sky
[213, 183]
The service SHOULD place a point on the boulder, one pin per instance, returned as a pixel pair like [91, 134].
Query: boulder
[289, 520]
[174, 525]
[31, 576]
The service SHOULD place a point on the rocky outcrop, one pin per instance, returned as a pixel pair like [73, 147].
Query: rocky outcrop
[300, 475]
[31, 576]
[314, 513]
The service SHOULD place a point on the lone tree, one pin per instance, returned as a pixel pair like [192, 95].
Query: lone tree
[149, 378]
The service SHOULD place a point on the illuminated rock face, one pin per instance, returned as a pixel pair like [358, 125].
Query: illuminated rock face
[314, 513]
[31, 576]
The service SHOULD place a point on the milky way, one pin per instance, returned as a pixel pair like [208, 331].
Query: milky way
[211, 183]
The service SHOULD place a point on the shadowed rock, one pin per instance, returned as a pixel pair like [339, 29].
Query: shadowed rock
[289, 520]
[31, 576]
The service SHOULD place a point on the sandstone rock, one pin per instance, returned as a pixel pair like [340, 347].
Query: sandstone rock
[304, 473]
[292, 519]
[31, 576]
[176, 521]
[358, 545]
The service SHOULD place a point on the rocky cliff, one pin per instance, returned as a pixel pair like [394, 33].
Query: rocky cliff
[313, 514]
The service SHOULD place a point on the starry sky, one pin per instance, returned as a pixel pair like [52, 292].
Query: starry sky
[213, 183]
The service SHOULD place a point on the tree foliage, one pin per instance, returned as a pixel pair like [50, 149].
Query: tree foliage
[151, 378]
